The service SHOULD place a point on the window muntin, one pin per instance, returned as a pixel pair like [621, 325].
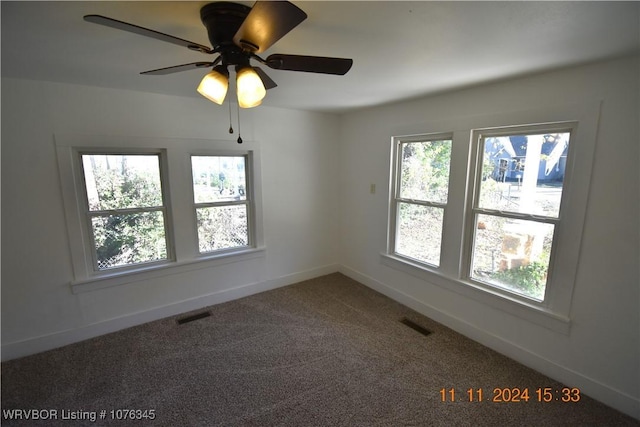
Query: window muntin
[125, 209]
[420, 197]
[516, 209]
[222, 202]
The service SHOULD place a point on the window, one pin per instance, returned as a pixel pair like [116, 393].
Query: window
[125, 209]
[142, 208]
[495, 210]
[420, 196]
[516, 205]
[222, 202]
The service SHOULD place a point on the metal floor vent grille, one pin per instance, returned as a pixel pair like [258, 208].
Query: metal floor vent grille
[193, 317]
[415, 326]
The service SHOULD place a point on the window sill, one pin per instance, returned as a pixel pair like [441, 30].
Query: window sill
[528, 311]
[124, 277]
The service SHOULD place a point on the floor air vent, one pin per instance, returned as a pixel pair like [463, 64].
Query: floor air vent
[193, 317]
[415, 326]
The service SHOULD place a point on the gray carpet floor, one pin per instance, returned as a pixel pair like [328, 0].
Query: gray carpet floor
[324, 352]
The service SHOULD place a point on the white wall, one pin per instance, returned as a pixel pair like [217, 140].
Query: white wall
[601, 353]
[316, 170]
[299, 178]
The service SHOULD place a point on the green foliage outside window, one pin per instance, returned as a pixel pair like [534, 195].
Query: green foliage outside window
[531, 279]
[125, 204]
[425, 170]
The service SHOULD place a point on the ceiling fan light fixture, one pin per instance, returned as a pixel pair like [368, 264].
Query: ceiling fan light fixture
[237, 33]
[250, 88]
[214, 85]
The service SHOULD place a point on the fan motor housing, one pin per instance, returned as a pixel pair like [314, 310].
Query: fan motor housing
[222, 20]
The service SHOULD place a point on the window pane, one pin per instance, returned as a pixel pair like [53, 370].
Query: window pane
[512, 254]
[115, 181]
[419, 232]
[524, 173]
[218, 178]
[222, 227]
[129, 239]
[425, 170]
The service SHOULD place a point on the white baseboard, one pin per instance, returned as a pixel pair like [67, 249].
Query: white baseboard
[609, 396]
[42, 343]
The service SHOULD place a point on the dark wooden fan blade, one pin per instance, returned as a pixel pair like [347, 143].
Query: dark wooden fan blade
[310, 64]
[266, 23]
[178, 68]
[266, 80]
[120, 25]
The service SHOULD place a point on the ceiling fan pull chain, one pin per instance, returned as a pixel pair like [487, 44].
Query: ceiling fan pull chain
[230, 127]
[239, 137]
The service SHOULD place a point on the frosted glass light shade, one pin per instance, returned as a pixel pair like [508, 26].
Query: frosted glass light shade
[250, 88]
[214, 86]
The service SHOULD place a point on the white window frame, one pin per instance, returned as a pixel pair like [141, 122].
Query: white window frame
[454, 270]
[91, 257]
[182, 250]
[249, 201]
[473, 209]
[395, 196]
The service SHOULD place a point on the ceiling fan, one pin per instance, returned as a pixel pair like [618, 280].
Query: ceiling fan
[237, 34]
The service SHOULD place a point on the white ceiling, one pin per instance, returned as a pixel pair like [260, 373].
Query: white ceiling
[400, 49]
